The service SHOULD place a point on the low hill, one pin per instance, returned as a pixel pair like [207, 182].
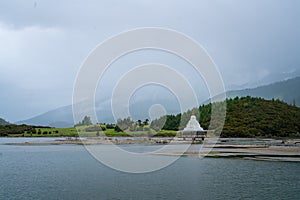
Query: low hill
[246, 117]
[249, 117]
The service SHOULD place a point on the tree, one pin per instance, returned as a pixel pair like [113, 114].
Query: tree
[85, 121]
[146, 122]
[139, 122]
[118, 129]
[294, 102]
[124, 124]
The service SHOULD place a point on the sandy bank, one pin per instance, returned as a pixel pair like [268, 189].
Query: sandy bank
[265, 149]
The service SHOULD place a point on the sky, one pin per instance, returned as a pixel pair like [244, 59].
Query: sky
[44, 43]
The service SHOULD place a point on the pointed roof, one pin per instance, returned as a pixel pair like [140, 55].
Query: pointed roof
[193, 125]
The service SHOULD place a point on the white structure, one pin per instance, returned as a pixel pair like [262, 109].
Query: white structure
[193, 125]
[193, 130]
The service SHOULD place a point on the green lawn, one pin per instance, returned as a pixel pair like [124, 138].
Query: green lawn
[92, 131]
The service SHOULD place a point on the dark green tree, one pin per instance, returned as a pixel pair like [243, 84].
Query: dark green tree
[85, 121]
[146, 122]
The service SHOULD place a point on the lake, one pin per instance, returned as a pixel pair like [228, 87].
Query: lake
[70, 172]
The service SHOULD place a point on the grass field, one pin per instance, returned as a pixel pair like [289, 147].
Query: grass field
[92, 131]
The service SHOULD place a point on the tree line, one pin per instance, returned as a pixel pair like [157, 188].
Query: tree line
[245, 117]
[9, 129]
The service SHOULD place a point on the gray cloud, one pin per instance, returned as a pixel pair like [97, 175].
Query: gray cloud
[43, 43]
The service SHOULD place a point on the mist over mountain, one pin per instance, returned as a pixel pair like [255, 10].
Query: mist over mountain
[3, 122]
[287, 91]
[60, 118]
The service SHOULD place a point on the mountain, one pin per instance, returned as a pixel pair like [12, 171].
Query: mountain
[3, 122]
[287, 91]
[61, 117]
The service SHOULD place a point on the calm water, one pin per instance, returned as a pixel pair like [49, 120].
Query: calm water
[69, 172]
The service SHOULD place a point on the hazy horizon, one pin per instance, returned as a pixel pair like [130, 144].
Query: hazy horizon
[43, 44]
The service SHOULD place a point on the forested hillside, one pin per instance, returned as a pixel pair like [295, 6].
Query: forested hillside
[245, 117]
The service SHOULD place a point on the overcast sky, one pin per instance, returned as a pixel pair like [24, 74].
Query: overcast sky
[43, 43]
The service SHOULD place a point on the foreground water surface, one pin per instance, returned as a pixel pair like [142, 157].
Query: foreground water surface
[70, 172]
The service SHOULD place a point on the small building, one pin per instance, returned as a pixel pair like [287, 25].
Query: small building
[193, 130]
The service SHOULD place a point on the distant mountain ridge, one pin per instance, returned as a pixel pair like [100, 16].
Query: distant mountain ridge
[3, 122]
[61, 118]
[287, 91]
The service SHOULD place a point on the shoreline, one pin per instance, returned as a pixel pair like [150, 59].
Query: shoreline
[267, 149]
[272, 153]
[224, 142]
